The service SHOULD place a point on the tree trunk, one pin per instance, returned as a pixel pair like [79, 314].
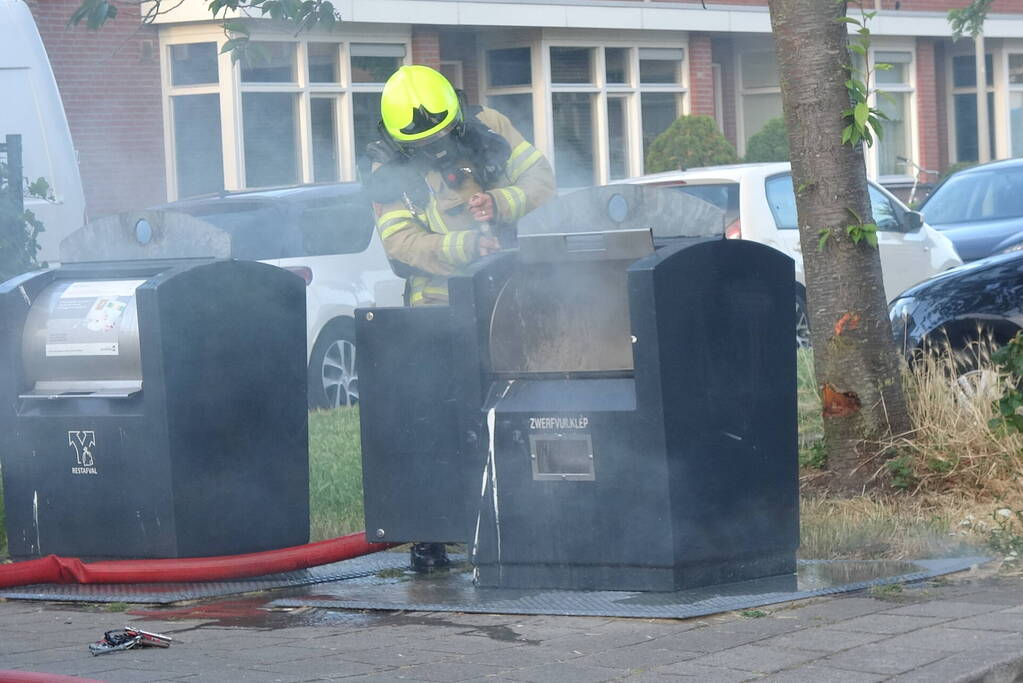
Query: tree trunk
[857, 367]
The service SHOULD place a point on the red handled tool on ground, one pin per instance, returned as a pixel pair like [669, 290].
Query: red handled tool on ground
[128, 638]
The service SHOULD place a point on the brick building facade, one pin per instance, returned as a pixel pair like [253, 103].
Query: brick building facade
[109, 81]
[157, 113]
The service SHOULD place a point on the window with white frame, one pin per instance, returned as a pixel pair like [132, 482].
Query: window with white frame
[760, 92]
[894, 99]
[607, 104]
[194, 108]
[1016, 104]
[574, 93]
[510, 86]
[270, 100]
[371, 65]
[964, 105]
[603, 99]
[660, 82]
[305, 109]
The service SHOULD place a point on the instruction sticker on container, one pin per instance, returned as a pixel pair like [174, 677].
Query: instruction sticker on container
[84, 319]
[97, 289]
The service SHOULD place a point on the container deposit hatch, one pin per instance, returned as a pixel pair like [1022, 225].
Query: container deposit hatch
[153, 405]
[610, 406]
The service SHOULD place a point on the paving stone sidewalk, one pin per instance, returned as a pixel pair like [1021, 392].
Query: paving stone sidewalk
[964, 629]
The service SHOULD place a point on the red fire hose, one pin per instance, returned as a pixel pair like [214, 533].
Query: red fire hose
[29, 677]
[53, 569]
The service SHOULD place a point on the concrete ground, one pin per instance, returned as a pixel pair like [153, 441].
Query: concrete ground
[964, 628]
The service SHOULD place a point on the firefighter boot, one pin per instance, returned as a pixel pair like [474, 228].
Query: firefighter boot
[427, 557]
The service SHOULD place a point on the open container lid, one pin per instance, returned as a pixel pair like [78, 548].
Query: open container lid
[565, 311]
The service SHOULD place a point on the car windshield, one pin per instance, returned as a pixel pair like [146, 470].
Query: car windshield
[977, 196]
[725, 196]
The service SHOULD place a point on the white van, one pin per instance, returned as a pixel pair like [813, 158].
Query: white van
[32, 108]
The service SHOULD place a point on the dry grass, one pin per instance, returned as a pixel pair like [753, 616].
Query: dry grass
[945, 481]
[895, 527]
[953, 450]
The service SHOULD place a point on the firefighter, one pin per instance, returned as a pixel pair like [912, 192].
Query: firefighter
[449, 182]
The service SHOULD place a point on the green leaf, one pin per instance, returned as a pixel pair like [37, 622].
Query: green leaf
[879, 130]
[860, 113]
[236, 47]
[235, 26]
[40, 188]
[858, 49]
[871, 238]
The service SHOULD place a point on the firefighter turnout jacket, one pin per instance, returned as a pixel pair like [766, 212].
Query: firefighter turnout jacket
[442, 238]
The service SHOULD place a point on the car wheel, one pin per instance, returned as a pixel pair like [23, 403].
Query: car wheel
[978, 385]
[802, 323]
[974, 375]
[333, 381]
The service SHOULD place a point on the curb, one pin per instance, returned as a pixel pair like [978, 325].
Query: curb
[999, 668]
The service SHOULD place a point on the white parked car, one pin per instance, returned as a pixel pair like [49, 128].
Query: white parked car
[326, 234]
[33, 109]
[760, 205]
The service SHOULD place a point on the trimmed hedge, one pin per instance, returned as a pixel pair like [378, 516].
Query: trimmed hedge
[689, 142]
[770, 143]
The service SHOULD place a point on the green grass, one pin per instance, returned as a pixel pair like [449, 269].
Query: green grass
[811, 425]
[335, 473]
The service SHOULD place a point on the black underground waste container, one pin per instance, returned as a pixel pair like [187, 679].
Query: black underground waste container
[154, 409]
[612, 406]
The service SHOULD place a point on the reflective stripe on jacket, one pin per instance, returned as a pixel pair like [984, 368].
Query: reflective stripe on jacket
[439, 240]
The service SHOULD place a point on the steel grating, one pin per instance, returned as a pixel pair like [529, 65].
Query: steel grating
[455, 592]
[372, 583]
[166, 593]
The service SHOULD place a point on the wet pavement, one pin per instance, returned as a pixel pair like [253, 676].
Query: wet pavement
[967, 627]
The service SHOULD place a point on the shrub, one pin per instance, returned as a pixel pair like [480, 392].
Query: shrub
[689, 141]
[770, 143]
[19, 228]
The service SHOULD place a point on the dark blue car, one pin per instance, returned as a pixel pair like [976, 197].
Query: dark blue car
[980, 301]
[980, 209]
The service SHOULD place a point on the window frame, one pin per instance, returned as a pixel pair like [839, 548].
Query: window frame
[908, 87]
[743, 50]
[1015, 49]
[630, 92]
[542, 88]
[965, 49]
[231, 88]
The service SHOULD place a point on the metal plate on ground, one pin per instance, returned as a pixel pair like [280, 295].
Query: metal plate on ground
[454, 592]
[166, 593]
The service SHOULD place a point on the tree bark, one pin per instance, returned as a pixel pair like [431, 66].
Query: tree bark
[856, 364]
